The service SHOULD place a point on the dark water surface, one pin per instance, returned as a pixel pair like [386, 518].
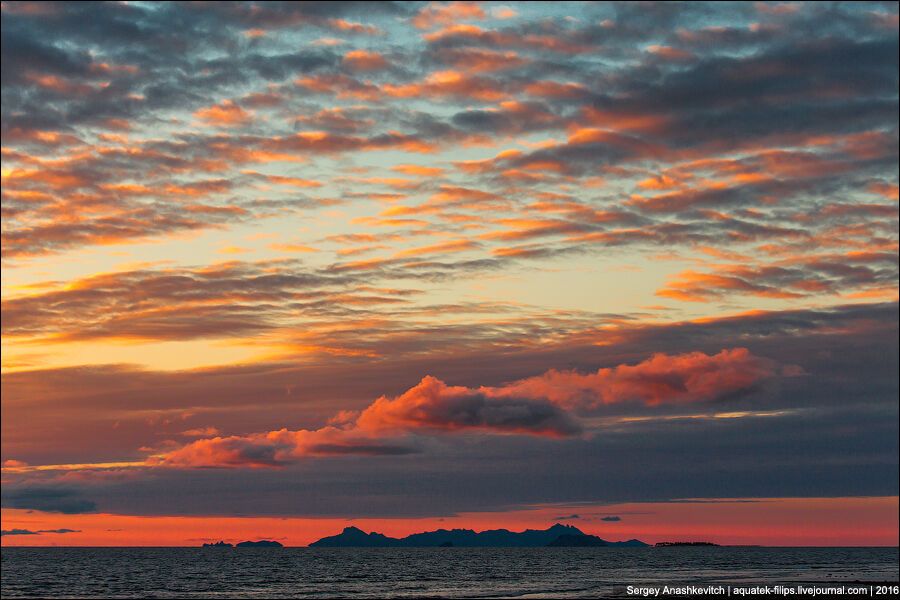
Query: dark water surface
[420, 572]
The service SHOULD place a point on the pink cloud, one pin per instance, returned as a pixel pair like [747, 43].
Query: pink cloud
[661, 379]
[436, 13]
[544, 406]
[435, 405]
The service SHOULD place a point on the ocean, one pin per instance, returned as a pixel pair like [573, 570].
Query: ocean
[423, 572]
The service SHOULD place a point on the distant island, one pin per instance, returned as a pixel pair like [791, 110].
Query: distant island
[556, 536]
[260, 544]
[669, 544]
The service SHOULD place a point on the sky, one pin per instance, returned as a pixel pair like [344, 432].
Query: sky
[271, 269]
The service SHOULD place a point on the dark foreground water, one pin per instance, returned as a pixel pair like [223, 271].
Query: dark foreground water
[425, 572]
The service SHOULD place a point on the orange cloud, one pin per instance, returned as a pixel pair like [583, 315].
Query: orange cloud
[200, 432]
[693, 286]
[435, 14]
[363, 60]
[225, 113]
[660, 182]
[47, 138]
[479, 60]
[625, 121]
[321, 141]
[793, 276]
[504, 12]
[472, 34]
[661, 379]
[341, 86]
[292, 248]
[448, 84]
[669, 53]
[442, 248]
[352, 27]
[451, 197]
[430, 405]
[291, 181]
[555, 89]
[59, 84]
[435, 405]
[542, 405]
[889, 190]
[272, 449]
[418, 170]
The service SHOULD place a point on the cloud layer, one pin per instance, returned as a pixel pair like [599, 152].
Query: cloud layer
[389, 258]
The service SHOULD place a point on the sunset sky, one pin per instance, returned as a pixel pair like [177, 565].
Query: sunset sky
[271, 269]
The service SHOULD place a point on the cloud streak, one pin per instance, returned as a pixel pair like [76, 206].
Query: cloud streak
[661, 379]
[37, 532]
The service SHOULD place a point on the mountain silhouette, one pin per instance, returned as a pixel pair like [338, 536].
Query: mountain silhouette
[567, 540]
[353, 537]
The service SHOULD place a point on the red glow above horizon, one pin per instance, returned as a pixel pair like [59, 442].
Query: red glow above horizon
[770, 522]
[434, 258]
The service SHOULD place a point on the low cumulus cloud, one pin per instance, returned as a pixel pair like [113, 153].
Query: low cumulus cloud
[276, 448]
[546, 405]
[661, 379]
[435, 405]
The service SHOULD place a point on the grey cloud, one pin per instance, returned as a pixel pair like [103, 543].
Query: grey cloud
[38, 532]
[48, 499]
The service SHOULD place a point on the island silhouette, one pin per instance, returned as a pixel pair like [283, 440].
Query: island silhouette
[260, 544]
[257, 544]
[670, 544]
[557, 536]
